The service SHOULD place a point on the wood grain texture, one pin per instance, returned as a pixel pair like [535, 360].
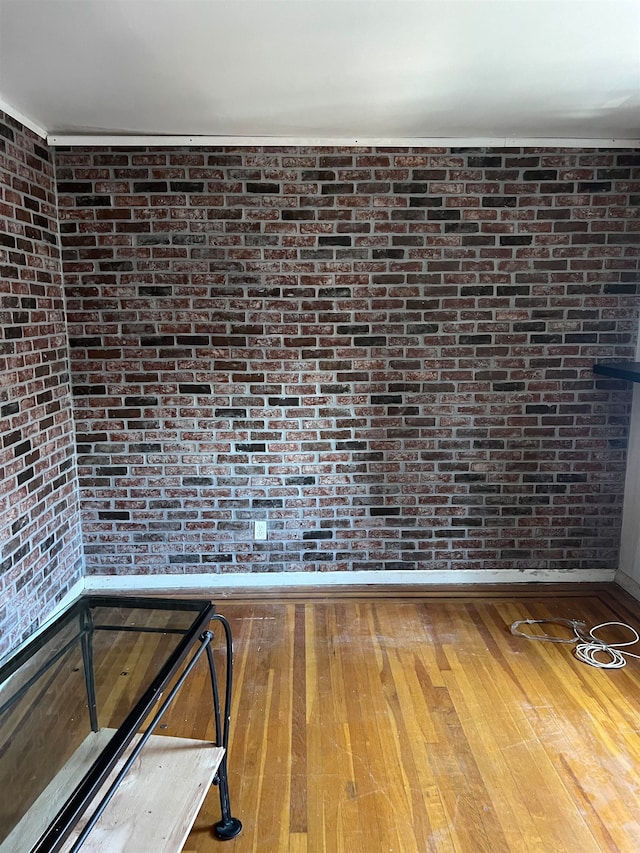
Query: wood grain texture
[422, 724]
[156, 802]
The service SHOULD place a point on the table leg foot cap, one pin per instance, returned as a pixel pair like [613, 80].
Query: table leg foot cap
[225, 830]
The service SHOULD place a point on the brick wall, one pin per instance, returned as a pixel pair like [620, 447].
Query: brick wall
[385, 353]
[40, 541]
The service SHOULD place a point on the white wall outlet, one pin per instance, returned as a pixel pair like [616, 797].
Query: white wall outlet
[260, 530]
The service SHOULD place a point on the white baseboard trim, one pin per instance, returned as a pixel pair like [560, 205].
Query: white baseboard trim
[628, 584]
[248, 580]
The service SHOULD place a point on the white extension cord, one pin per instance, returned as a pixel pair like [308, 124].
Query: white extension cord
[588, 646]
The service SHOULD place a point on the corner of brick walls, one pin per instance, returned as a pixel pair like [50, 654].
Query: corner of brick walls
[385, 353]
[40, 538]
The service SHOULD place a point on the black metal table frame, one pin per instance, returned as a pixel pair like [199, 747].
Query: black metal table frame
[81, 798]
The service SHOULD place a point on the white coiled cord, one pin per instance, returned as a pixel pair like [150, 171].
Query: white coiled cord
[589, 648]
[587, 652]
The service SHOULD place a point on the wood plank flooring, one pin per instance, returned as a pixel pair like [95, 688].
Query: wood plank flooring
[421, 724]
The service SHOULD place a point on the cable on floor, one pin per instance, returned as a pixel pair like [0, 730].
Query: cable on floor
[589, 648]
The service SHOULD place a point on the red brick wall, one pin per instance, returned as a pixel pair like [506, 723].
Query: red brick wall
[385, 353]
[40, 539]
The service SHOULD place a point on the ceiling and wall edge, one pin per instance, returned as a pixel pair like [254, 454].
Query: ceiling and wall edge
[10, 110]
[82, 140]
[351, 142]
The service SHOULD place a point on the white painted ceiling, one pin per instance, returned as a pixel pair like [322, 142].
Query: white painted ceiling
[325, 68]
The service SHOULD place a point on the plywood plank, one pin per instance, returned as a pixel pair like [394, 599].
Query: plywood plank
[157, 801]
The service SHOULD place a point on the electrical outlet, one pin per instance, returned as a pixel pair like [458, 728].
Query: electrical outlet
[260, 530]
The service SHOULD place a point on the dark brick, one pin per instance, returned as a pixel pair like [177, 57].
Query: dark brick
[386, 399]
[284, 401]
[93, 201]
[594, 187]
[484, 162]
[540, 175]
[6, 132]
[73, 187]
[263, 188]
[334, 241]
[499, 201]
[516, 240]
[150, 187]
[186, 186]
[337, 189]
[372, 341]
[193, 388]
[425, 201]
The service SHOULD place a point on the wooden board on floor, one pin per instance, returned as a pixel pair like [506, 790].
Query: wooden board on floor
[153, 809]
[157, 802]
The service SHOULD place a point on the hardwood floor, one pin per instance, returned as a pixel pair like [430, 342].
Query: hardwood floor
[421, 724]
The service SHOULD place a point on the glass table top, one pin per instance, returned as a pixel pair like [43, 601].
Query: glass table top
[119, 649]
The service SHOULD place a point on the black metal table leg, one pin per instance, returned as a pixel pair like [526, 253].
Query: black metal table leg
[205, 640]
[228, 827]
[86, 641]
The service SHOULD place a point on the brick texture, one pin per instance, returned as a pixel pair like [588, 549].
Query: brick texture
[385, 353]
[40, 540]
